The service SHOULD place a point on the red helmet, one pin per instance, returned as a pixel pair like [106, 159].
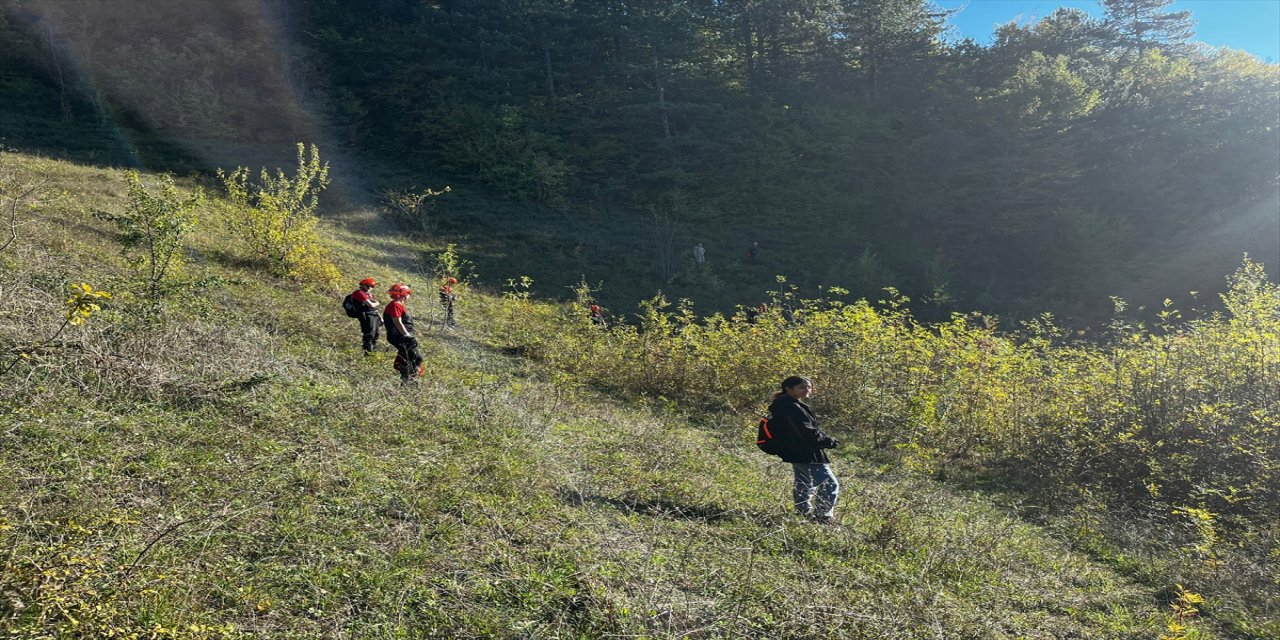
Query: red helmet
[368, 282]
[451, 281]
[595, 308]
[399, 290]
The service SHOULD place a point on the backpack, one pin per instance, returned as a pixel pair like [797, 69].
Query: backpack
[350, 306]
[766, 440]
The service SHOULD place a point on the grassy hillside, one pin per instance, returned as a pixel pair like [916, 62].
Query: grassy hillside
[239, 470]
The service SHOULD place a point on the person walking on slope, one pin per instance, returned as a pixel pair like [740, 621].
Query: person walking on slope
[447, 298]
[368, 309]
[804, 446]
[400, 333]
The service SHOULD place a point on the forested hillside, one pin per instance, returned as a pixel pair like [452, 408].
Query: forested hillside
[1073, 159]
[194, 445]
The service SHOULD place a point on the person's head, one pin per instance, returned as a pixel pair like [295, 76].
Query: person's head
[798, 387]
[367, 284]
[451, 281]
[595, 308]
[399, 291]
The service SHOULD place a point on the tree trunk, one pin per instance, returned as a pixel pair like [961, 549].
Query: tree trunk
[662, 100]
[56, 62]
[551, 80]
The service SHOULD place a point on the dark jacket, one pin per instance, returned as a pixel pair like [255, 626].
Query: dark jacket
[796, 428]
[394, 336]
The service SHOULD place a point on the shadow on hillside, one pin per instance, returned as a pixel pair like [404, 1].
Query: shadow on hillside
[84, 229]
[659, 508]
[86, 138]
[233, 260]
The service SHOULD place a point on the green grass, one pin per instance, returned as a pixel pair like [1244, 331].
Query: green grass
[241, 471]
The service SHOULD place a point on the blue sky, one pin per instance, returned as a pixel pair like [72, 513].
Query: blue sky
[1252, 25]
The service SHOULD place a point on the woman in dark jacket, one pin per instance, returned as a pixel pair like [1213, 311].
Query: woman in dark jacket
[804, 446]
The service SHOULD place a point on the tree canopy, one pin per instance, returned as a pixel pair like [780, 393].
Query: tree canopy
[1072, 159]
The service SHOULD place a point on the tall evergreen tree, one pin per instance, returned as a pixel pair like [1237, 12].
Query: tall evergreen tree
[1144, 24]
[887, 41]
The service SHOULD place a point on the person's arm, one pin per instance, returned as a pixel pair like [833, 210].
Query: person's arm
[371, 303]
[395, 320]
[808, 430]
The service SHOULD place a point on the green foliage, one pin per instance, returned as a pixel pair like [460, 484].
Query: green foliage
[73, 579]
[448, 264]
[501, 150]
[280, 484]
[412, 208]
[1048, 168]
[1044, 90]
[1181, 422]
[153, 230]
[518, 307]
[1144, 24]
[275, 217]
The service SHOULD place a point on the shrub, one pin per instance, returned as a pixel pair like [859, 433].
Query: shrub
[412, 208]
[276, 217]
[1180, 425]
[152, 231]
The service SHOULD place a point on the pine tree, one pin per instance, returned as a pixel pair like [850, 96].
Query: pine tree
[1143, 24]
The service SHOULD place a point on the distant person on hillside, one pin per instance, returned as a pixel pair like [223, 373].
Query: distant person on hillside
[447, 300]
[753, 252]
[400, 333]
[699, 254]
[597, 316]
[804, 446]
[368, 309]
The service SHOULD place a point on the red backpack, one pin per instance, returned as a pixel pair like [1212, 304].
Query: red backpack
[766, 439]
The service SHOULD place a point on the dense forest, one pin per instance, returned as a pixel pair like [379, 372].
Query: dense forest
[857, 141]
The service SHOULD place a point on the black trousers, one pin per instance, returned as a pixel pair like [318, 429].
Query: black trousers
[408, 350]
[369, 325]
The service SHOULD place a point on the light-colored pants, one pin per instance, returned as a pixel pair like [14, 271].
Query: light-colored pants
[814, 479]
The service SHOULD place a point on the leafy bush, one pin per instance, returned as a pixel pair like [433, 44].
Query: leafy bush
[1184, 415]
[1178, 424]
[276, 219]
[152, 232]
[412, 208]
